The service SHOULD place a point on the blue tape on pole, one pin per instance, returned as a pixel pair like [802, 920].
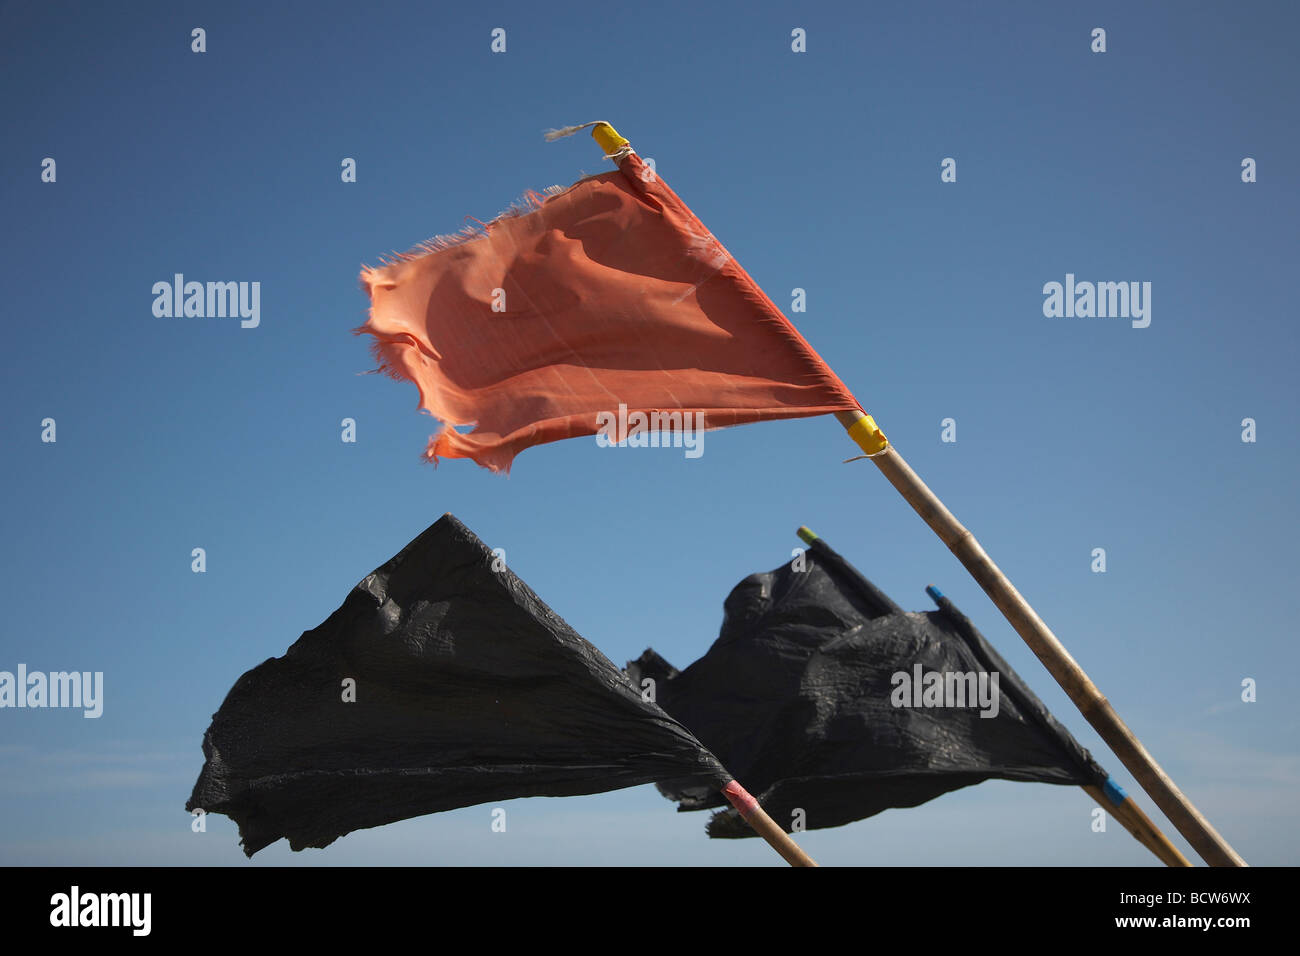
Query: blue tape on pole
[934, 593]
[1114, 792]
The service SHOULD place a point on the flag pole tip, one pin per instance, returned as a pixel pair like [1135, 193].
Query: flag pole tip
[806, 534]
[607, 138]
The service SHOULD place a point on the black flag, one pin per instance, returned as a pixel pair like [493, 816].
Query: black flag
[833, 704]
[443, 681]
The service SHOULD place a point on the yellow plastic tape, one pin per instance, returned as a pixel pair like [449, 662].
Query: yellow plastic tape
[868, 437]
[607, 137]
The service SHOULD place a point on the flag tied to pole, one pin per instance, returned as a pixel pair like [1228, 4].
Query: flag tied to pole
[608, 293]
[833, 704]
[464, 688]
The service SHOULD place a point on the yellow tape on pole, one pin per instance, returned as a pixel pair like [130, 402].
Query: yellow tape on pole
[867, 436]
[607, 138]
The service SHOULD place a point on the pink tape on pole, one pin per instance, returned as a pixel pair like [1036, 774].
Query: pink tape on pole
[740, 798]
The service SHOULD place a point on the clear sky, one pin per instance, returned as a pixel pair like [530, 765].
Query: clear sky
[819, 170]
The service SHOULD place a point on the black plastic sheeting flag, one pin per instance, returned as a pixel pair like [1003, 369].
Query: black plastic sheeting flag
[467, 689]
[818, 694]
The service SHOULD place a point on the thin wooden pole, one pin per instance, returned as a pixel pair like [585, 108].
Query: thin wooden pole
[1142, 823]
[1131, 817]
[765, 826]
[1213, 848]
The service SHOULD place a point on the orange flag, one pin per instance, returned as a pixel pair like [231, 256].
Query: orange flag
[610, 293]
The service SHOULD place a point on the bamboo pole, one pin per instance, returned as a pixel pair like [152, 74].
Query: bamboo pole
[1213, 848]
[1130, 816]
[748, 807]
[1142, 823]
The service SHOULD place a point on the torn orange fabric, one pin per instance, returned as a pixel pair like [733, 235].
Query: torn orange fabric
[609, 292]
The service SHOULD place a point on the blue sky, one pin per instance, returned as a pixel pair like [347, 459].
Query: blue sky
[818, 170]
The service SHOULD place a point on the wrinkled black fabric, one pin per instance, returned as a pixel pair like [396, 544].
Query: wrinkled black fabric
[794, 698]
[468, 689]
